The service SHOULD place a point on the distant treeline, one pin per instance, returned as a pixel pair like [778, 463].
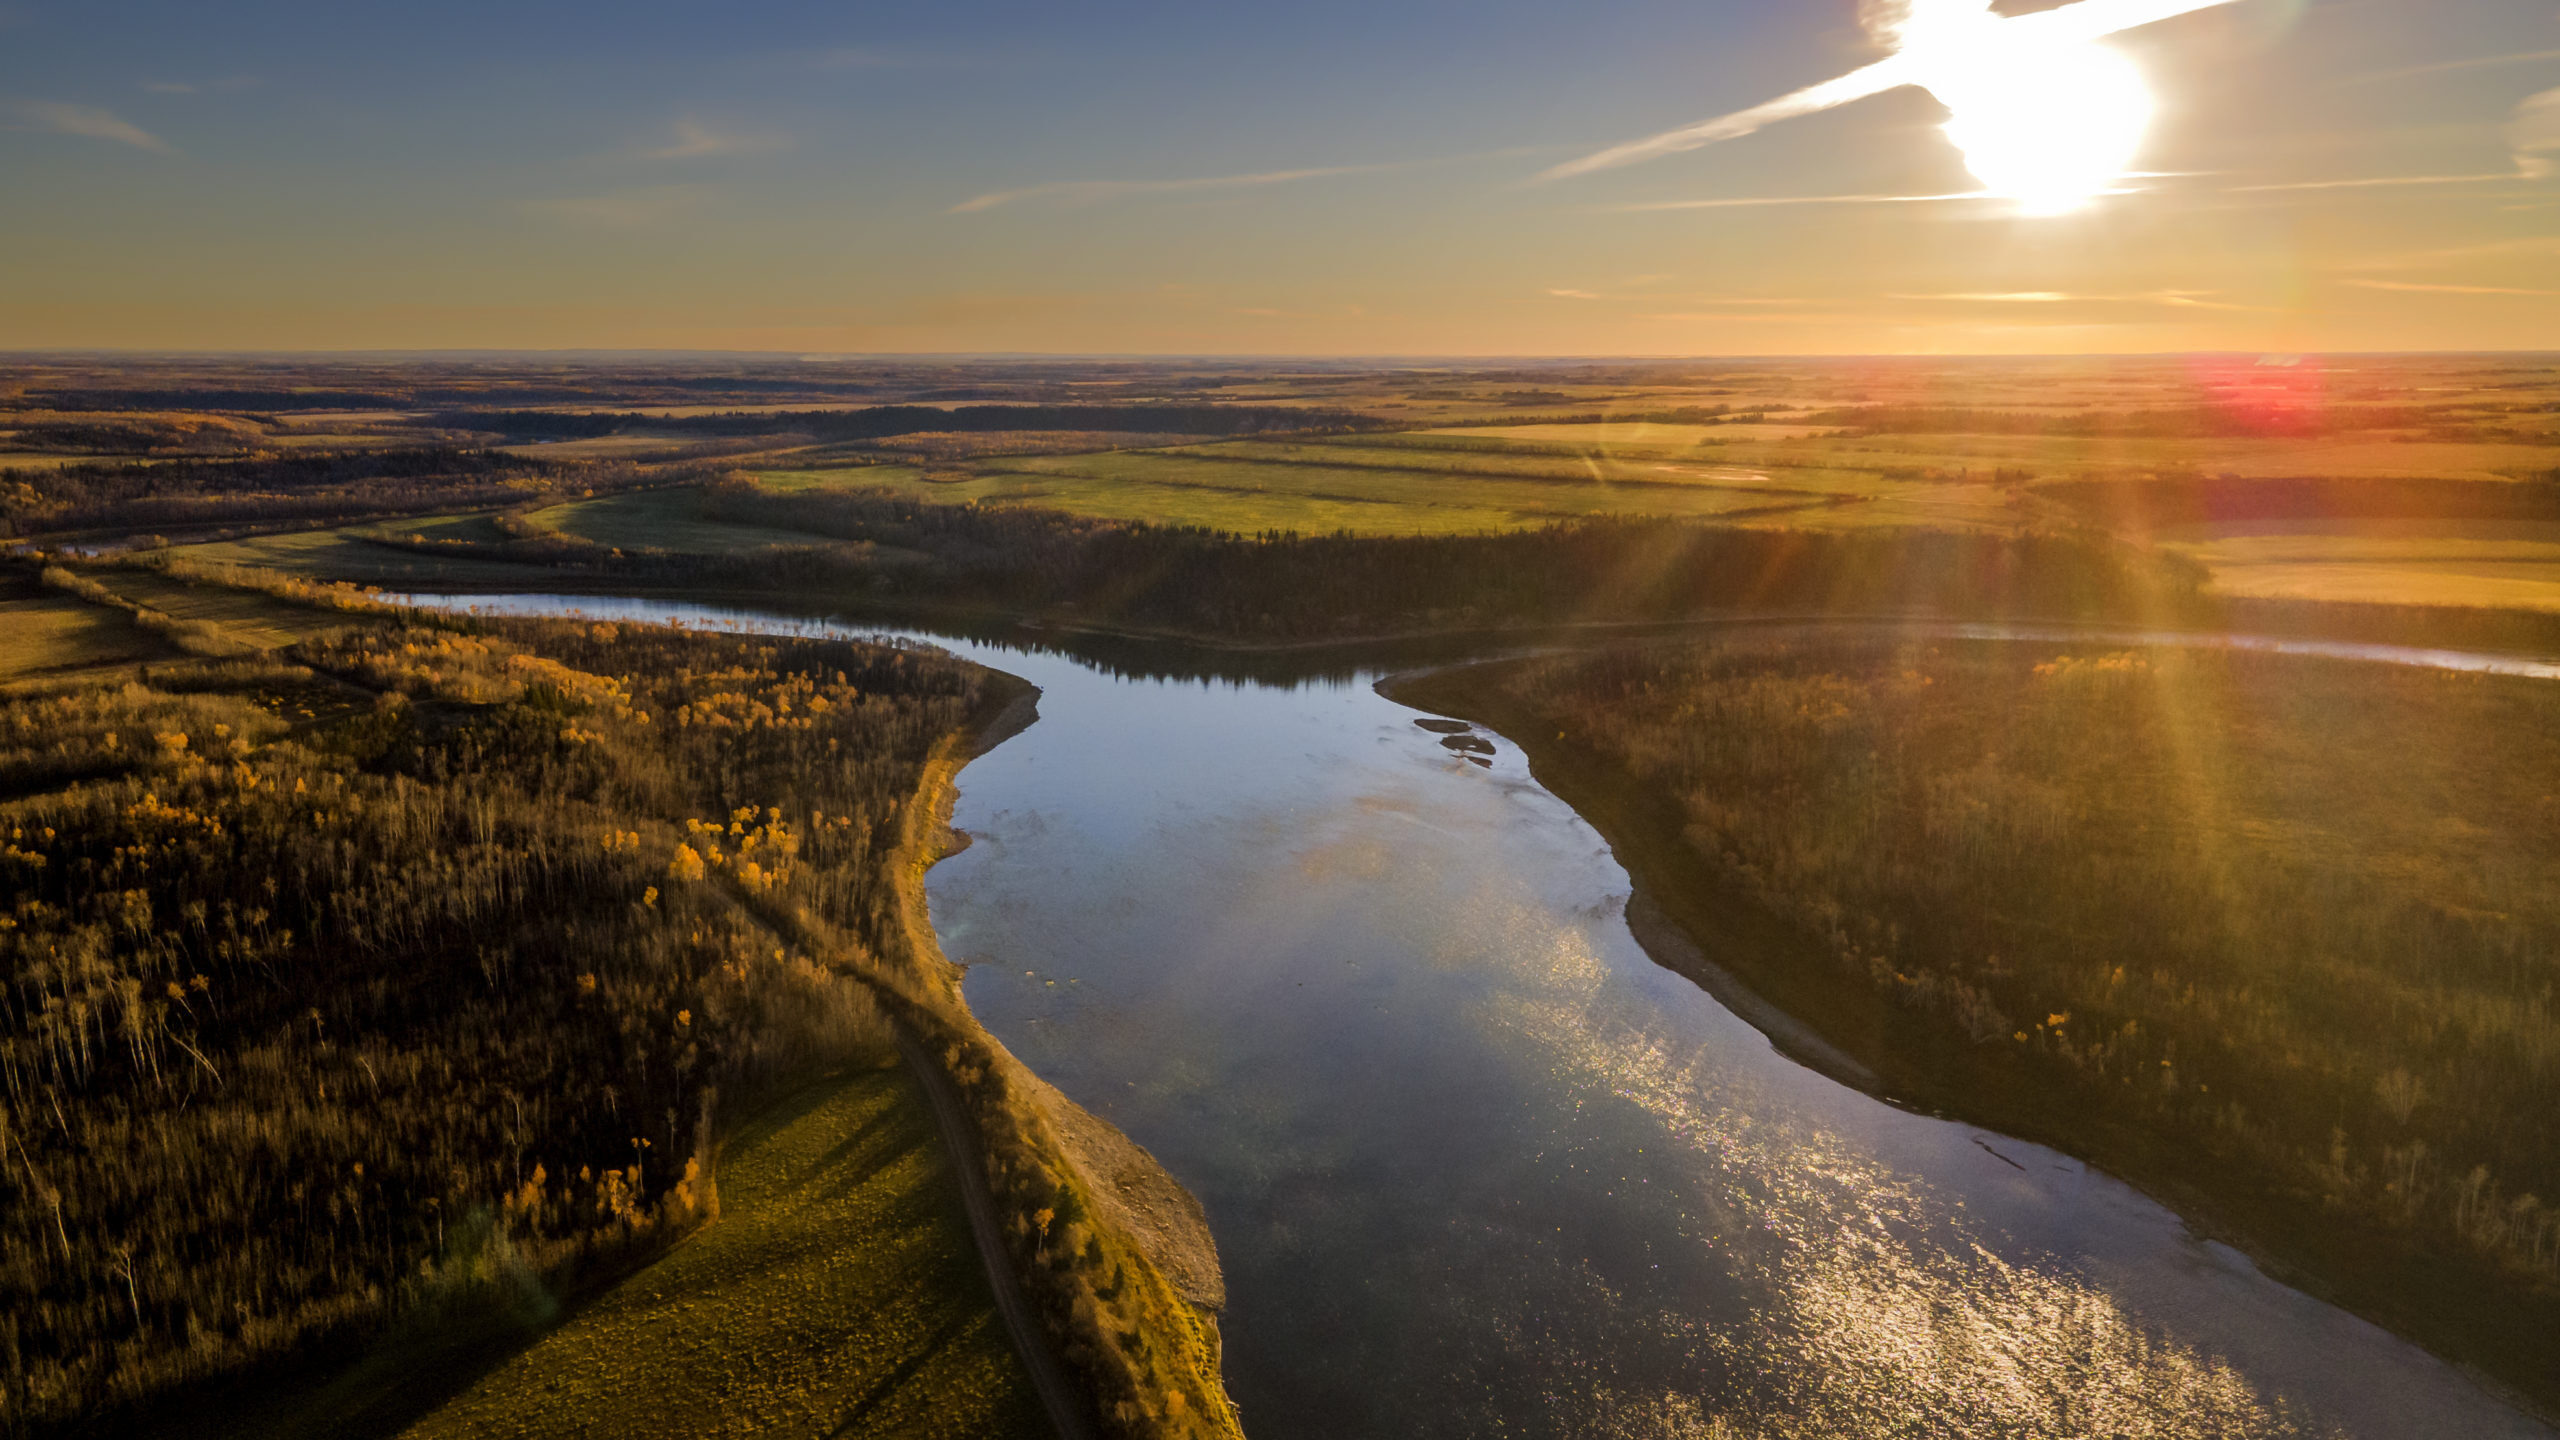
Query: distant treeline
[882, 421]
[198, 434]
[2153, 504]
[1288, 587]
[2214, 422]
[1682, 415]
[293, 486]
[269, 401]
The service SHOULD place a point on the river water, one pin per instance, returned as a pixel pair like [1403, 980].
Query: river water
[1478, 1167]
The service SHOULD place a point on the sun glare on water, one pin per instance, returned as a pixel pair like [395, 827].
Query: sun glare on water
[2050, 123]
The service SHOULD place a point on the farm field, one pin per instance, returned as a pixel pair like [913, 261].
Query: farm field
[662, 520]
[244, 615]
[345, 554]
[837, 1294]
[2510, 565]
[46, 635]
[1248, 487]
[1231, 497]
[44, 461]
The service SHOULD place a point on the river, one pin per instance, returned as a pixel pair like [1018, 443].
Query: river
[1478, 1167]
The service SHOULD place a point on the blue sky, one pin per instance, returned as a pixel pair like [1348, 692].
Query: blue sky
[1312, 178]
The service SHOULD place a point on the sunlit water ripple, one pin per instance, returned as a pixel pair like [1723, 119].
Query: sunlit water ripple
[1478, 1167]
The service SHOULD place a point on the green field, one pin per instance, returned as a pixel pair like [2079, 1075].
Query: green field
[245, 615]
[837, 1294]
[850, 477]
[45, 634]
[37, 460]
[661, 520]
[1248, 487]
[346, 555]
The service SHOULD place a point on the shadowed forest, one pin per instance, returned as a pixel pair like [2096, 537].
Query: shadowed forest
[2276, 935]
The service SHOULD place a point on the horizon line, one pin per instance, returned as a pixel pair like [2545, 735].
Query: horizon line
[10, 355]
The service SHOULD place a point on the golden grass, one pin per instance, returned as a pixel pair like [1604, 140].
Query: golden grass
[850, 477]
[1256, 486]
[601, 447]
[2509, 585]
[246, 615]
[344, 555]
[837, 1294]
[1235, 502]
[1630, 436]
[56, 634]
[50, 460]
[2499, 564]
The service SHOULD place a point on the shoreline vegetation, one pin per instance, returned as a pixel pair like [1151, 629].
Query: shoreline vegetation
[546, 765]
[2257, 934]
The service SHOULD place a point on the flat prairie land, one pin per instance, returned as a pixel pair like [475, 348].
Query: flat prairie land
[2514, 565]
[600, 447]
[1629, 436]
[837, 1294]
[44, 635]
[1231, 497]
[348, 555]
[43, 460]
[661, 520]
[245, 615]
[850, 477]
[1376, 488]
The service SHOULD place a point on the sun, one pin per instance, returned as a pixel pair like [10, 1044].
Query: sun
[2050, 125]
[2047, 115]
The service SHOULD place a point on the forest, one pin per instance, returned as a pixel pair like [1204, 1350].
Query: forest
[883, 421]
[2276, 936]
[414, 973]
[283, 488]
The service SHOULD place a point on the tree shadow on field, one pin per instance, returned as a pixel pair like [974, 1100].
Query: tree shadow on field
[375, 1386]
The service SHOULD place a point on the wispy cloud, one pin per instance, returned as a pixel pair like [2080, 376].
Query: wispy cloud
[1999, 297]
[633, 209]
[2420, 288]
[695, 140]
[86, 121]
[1757, 201]
[2533, 137]
[2377, 182]
[2534, 133]
[1655, 297]
[2173, 299]
[2531, 248]
[1087, 192]
[2480, 62]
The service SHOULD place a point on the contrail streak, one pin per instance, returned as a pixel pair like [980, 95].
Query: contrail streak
[1925, 34]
